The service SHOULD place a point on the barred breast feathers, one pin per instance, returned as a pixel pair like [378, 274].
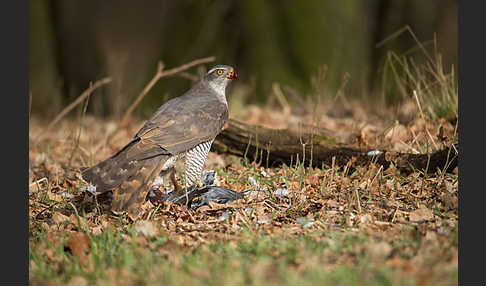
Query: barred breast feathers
[195, 159]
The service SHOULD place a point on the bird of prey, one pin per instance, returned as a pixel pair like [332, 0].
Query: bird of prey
[184, 126]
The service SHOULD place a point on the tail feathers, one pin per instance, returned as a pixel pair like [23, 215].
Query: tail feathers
[110, 173]
[113, 171]
[130, 195]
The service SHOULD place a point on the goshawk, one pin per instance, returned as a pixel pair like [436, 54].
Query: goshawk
[184, 126]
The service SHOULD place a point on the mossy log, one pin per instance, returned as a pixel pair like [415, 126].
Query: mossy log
[273, 147]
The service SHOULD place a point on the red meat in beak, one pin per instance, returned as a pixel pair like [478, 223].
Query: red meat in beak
[232, 75]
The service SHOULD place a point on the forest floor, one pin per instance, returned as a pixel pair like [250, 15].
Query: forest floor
[295, 224]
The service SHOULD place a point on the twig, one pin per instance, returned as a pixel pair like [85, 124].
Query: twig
[281, 98]
[146, 89]
[160, 74]
[244, 220]
[38, 182]
[357, 199]
[406, 28]
[409, 146]
[76, 139]
[394, 214]
[374, 177]
[331, 181]
[423, 118]
[68, 108]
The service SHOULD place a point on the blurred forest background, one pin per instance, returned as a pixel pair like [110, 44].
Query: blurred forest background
[73, 43]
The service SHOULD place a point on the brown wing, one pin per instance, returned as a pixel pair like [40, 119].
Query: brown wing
[184, 122]
[124, 164]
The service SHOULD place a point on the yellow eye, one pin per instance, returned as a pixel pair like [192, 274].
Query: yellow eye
[219, 72]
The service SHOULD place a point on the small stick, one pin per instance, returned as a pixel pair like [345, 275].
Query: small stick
[68, 108]
[38, 182]
[423, 118]
[142, 94]
[357, 199]
[332, 170]
[372, 180]
[281, 98]
[394, 214]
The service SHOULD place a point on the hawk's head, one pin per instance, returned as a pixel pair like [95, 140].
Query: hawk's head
[220, 75]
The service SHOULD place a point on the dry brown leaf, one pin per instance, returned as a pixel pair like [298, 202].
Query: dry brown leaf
[50, 254]
[332, 203]
[450, 201]
[315, 179]
[366, 219]
[397, 132]
[379, 249]
[58, 217]
[204, 208]
[74, 221]
[216, 206]
[78, 281]
[255, 195]
[55, 197]
[146, 228]
[78, 243]
[430, 240]
[421, 214]
[97, 230]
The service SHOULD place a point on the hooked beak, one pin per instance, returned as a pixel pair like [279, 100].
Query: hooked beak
[232, 75]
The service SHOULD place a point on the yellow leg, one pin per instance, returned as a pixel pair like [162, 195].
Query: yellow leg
[177, 188]
[198, 185]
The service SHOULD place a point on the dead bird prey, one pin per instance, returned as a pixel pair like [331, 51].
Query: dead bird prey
[198, 196]
[184, 126]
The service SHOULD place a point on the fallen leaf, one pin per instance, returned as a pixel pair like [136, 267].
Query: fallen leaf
[50, 254]
[97, 230]
[146, 228]
[55, 197]
[421, 214]
[74, 221]
[78, 281]
[58, 217]
[430, 240]
[252, 195]
[366, 219]
[332, 203]
[379, 249]
[315, 179]
[78, 243]
[204, 208]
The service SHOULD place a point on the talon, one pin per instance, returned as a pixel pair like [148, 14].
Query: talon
[178, 188]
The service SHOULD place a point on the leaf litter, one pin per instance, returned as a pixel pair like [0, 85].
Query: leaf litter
[391, 208]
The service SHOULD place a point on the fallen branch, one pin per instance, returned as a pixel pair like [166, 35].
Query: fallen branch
[271, 147]
[70, 107]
